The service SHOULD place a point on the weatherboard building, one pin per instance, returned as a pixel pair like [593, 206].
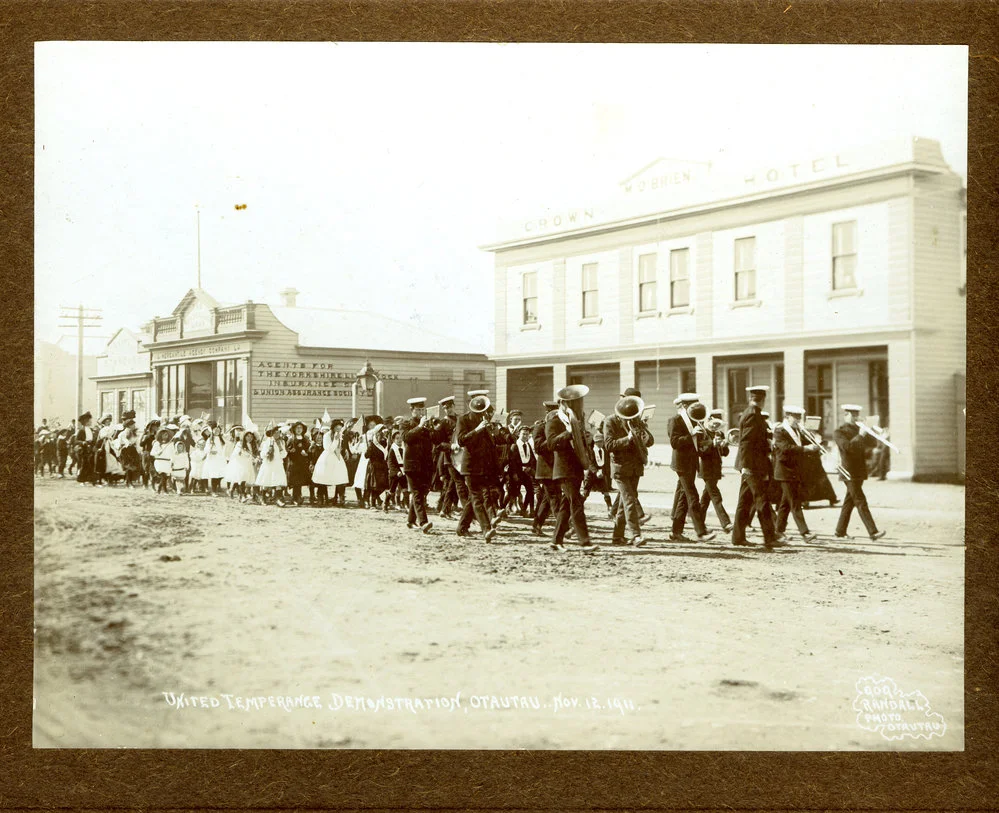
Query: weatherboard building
[285, 362]
[831, 278]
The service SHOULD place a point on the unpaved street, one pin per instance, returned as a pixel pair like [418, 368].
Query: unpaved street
[673, 646]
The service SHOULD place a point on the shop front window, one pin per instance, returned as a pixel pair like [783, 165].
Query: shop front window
[139, 405]
[878, 376]
[819, 395]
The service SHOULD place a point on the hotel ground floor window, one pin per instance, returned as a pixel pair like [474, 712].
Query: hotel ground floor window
[738, 399]
[122, 404]
[878, 377]
[819, 395]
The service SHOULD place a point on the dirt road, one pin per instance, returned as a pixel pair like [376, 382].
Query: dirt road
[358, 633]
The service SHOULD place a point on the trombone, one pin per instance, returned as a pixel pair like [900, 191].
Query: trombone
[875, 433]
[814, 439]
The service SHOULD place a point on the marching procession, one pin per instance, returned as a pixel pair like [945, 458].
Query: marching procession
[486, 465]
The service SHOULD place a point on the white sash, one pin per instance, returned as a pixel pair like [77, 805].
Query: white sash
[398, 454]
[598, 454]
[525, 454]
[792, 432]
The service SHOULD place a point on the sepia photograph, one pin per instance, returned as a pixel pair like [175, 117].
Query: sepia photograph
[499, 396]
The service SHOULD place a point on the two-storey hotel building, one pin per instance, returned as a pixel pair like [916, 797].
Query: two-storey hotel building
[835, 278]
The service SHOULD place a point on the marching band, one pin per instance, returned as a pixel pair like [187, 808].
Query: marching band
[488, 465]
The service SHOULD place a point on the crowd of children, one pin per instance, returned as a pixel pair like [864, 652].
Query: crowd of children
[287, 464]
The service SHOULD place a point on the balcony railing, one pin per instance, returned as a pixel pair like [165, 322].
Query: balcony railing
[233, 319]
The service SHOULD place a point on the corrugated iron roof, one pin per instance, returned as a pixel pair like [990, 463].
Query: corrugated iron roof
[363, 330]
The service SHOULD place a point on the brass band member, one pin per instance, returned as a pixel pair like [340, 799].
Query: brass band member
[566, 437]
[453, 491]
[627, 439]
[685, 437]
[754, 463]
[473, 435]
[853, 441]
[789, 467]
[714, 448]
[418, 463]
[549, 495]
[522, 461]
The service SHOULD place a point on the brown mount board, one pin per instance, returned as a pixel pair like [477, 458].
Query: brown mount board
[485, 779]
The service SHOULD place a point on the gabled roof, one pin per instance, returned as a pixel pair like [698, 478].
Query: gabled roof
[136, 336]
[199, 294]
[363, 330]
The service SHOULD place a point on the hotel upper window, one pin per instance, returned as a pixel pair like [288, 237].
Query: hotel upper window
[844, 255]
[530, 296]
[646, 283]
[590, 304]
[745, 268]
[679, 278]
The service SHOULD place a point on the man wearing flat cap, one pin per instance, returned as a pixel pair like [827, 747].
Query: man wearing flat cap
[686, 446]
[853, 441]
[453, 490]
[790, 453]
[573, 462]
[627, 443]
[548, 495]
[418, 463]
[755, 462]
[473, 436]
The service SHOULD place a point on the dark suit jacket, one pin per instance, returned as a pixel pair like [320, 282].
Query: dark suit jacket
[419, 440]
[545, 456]
[789, 457]
[559, 439]
[754, 447]
[711, 460]
[625, 457]
[481, 451]
[685, 449]
[853, 450]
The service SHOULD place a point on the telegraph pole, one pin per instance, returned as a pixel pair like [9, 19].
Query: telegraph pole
[80, 318]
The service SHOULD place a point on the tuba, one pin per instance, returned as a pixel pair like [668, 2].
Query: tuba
[732, 436]
[580, 445]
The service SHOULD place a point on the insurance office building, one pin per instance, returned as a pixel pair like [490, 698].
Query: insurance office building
[832, 279]
[281, 362]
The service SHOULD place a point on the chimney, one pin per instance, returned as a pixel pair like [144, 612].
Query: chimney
[288, 296]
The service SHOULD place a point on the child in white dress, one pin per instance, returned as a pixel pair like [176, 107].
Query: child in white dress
[181, 464]
[198, 453]
[271, 478]
[162, 454]
[330, 468]
[215, 459]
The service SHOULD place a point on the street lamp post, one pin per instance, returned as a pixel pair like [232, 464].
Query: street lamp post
[366, 381]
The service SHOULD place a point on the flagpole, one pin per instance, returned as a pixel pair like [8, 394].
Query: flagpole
[199, 248]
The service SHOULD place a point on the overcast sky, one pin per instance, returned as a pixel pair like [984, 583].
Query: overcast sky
[372, 172]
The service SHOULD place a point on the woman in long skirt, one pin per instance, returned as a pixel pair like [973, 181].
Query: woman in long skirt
[377, 459]
[298, 461]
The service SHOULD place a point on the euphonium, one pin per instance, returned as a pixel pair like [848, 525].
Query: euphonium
[629, 408]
